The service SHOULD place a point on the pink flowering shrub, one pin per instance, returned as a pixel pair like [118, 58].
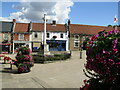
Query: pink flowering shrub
[103, 62]
[24, 60]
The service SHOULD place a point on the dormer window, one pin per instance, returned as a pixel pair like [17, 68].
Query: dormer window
[61, 35]
[35, 35]
[48, 35]
[21, 36]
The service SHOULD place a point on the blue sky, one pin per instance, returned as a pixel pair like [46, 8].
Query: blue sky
[94, 13]
[88, 13]
[7, 8]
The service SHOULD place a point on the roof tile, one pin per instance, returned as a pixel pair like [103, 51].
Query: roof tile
[21, 27]
[87, 29]
[49, 27]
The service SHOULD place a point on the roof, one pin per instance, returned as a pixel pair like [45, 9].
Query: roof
[118, 28]
[21, 27]
[87, 29]
[6, 26]
[49, 27]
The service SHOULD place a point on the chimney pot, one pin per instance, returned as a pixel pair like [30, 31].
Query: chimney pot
[69, 22]
[54, 22]
[14, 20]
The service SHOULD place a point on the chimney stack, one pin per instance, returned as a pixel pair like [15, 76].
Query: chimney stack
[53, 22]
[30, 26]
[14, 20]
[69, 22]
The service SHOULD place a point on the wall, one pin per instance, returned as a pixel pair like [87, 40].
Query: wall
[58, 35]
[72, 44]
[81, 40]
[16, 37]
[39, 38]
[2, 37]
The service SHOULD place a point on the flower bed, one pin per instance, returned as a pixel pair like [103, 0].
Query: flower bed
[50, 58]
[103, 62]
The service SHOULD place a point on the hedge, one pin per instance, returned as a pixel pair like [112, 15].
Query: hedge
[50, 58]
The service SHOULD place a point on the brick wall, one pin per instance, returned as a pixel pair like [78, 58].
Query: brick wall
[16, 37]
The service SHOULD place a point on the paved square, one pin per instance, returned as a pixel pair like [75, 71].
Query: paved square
[61, 74]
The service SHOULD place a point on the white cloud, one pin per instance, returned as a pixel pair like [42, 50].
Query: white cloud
[34, 11]
[4, 19]
[60, 0]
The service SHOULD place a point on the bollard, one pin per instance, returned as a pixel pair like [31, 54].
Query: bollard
[80, 54]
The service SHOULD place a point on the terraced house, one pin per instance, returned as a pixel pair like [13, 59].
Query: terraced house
[59, 37]
[56, 36]
[20, 35]
[78, 33]
[36, 36]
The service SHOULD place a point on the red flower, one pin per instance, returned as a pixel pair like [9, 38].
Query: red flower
[90, 42]
[85, 81]
[93, 37]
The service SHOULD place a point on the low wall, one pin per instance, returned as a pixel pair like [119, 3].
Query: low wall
[59, 52]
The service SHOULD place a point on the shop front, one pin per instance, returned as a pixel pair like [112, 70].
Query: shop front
[19, 44]
[5, 48]
[56, 45]
[36, 46]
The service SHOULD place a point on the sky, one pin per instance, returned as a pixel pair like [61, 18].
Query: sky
[87, 13]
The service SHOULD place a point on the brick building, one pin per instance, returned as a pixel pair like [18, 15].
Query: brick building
[20, 35]
[78, 33]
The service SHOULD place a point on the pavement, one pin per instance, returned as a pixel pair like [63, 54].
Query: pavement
[60, 74]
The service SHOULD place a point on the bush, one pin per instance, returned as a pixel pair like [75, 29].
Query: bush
[41, 59]
[103, 57]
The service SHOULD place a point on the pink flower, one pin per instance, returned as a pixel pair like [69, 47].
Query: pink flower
[94, 37]
[111, 78]
[111, 62]
[86, 85]
[90, 42]
[118, 63]
[103, 51]
[115, 51]
[99, 72]
[107, 71]
[85, 81]
[115, 42]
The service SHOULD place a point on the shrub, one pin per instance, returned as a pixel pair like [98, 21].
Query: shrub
[41, 59]
[103, 57]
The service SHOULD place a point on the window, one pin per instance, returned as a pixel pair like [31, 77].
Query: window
[76, 37]
[61, 35]
[48, 35]
[5, 36]
[35, 35]
[76, 43]
[21, 36]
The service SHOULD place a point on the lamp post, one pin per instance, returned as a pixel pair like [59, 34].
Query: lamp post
[81, 46]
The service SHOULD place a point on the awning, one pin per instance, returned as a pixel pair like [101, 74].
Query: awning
[5, 44]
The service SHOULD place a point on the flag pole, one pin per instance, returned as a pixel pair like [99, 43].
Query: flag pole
[115, 21]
